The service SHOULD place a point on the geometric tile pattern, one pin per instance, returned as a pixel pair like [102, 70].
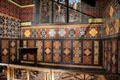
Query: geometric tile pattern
[57, 51]
[93, 32]
[9, 27]
[13, 49]
[5, 51]
[39, 45]
[47, 51]
[66, 51]
[96, 52]
[111, 25]
[31, 44]
[77, 52]
[9, 50]
[87, 50]
[24, 43]
[49, 33]
[110, 55]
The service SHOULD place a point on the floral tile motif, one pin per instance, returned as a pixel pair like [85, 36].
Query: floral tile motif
[72, 33]
[44, 33]
[52, 32]
[82, 31]
[62, 32]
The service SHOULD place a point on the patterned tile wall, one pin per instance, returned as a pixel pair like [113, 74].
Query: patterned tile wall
[76, 32]
[110, 55]
[47, 51]
[9, 50]
[77, 52]
[9, 27]
[112, 21]
[13, 50]
[66, 51]
[39, 45]
[25, 14]
[9, 9]
[57, 51]
[87, 52]
[4, 51]
[111, 28]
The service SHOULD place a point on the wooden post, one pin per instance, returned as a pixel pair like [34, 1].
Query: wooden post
[13, 76]
[8, 73]
[28, 76]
